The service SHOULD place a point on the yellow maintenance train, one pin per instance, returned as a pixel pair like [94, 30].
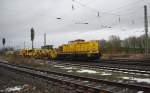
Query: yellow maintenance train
[74, 50]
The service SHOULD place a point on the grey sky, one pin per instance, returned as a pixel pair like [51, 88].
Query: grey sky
[18, 16]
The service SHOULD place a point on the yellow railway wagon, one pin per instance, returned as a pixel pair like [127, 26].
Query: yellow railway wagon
[37, 53]
[25, 53]
[22, 53]
[30, 53]
[52, 54]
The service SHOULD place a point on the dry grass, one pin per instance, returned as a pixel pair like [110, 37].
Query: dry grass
[25, 61]
[125, 56]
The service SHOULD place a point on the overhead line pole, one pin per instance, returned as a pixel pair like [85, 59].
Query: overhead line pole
[146, 29]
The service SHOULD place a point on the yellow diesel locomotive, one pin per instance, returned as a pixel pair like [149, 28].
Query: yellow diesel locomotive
[80, 50]
[74, 50]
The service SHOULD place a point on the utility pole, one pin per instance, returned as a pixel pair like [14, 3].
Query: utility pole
[45, 39]
[146, 29]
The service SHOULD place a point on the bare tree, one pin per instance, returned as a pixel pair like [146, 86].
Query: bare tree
[115, 43]
[129, 45]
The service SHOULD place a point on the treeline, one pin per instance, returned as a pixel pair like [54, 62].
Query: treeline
[128, 45]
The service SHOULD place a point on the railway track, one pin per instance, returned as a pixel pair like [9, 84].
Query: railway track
[127, 62]
[115, 61]
[80, 83]
[102, 67]
[132, 66]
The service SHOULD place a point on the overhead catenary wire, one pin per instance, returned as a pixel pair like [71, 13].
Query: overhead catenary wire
[130, 12]
[109, 13]
[130, 9]
[94, 10]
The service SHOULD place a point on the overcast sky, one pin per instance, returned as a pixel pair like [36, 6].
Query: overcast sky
[18, 16]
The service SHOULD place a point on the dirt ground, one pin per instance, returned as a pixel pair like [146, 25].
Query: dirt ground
[13, 82]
